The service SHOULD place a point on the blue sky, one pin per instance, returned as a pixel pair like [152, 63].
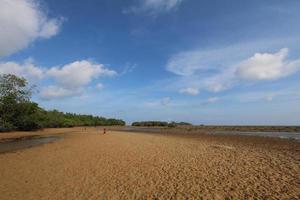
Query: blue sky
[201, 61]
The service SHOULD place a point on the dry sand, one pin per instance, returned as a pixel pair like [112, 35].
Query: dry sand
[121, 165]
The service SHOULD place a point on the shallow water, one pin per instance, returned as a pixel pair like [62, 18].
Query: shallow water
[284, 135]
[26, 143]
[143, 129]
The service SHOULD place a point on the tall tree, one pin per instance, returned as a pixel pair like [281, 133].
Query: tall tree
[16, 110]
[14, 87]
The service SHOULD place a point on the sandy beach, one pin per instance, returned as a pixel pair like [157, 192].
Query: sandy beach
[86, 164]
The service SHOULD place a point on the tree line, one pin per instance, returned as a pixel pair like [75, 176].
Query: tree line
[18, 112]
[160, 123]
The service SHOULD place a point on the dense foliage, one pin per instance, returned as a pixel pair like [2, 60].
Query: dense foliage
[181, 123]
[159, 123]
[150, 123]
[55, 118]
[17, 112]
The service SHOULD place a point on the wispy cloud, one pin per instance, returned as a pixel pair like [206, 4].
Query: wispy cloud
[152, 7]
[165, 101]
[216, 70]
[99, 86]
[57, 92]
[209, 100]
[189, 91]
[128, 68]
[291, 93]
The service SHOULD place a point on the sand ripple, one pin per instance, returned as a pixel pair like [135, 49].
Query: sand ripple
[120, 165]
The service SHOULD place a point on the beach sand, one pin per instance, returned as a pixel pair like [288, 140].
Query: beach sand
[121, 165]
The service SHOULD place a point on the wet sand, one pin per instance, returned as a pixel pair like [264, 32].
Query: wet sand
[26, 142]
[123, 165]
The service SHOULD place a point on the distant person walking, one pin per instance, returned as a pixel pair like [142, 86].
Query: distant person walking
[104, 131]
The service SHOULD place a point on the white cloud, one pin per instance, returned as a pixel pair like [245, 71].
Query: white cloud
[99, 86]
[50, 28]
[202, 70]
[78, 73]
[267, 66]
[72, 79]
[212, 99]
[189, 91]
[153, 7]
[69, 80]
[56, 92]
[221, 69]
[22, 22]
[221, 81]
[128, 68]
[26, 69]
[187, 63]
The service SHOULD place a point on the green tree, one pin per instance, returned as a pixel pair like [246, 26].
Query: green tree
[14, 87]
[16, 110]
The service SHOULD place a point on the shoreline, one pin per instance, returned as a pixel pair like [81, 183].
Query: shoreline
[228, 139]
[25, 135]
[177, 131]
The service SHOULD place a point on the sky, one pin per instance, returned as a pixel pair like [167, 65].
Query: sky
[200, 61]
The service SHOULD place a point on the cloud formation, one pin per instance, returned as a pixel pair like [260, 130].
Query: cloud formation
[26, 69]
[78, 73]
[189, 91]
[220, 81]
[267, 66]
[99, 86]
[22, 22]
[153, 7]
[165, 101]
[72, 78]
[56, 92]
[187, 63]
[69, 80]
[221, 69]
[212, 99]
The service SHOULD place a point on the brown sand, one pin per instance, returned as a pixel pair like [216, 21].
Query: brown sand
[120, 165]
